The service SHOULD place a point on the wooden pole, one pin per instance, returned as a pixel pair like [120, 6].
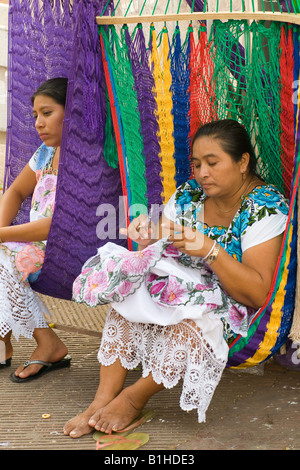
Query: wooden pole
[224, 16]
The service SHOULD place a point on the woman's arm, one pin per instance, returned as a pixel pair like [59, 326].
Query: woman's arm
[10, 203]
[248, 281]
[35, 231]
[12, 199]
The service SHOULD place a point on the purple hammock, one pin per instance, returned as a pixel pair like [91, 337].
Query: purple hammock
[61, 39]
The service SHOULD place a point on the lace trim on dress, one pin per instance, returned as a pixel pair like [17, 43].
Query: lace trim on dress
[169, 353]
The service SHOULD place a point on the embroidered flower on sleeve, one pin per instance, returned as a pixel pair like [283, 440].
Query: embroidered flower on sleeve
[185, 199]
[267, 196]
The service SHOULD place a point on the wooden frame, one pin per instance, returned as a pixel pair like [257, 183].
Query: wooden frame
[224, 16]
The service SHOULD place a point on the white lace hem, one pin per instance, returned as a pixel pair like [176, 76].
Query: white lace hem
[21, 309]
[169, 353]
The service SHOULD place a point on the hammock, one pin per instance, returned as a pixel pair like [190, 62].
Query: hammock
[122, 143]
[47, 40]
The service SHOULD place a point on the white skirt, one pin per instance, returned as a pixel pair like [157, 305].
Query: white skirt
[170, 353]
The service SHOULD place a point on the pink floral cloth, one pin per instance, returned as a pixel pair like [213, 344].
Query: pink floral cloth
[43, 201]
[156, 285]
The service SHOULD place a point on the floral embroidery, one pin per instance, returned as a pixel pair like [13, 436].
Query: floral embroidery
[95, 282]
[173, 292]
[136, 263]
[262, 201]
[29, 260]
[156, 288]
[43, 200]
[115, 277]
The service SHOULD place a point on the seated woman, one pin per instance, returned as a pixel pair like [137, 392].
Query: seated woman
[22, 247]
[193, 286]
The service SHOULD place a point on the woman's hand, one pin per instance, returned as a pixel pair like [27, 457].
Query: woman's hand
[188, 240]
[248, 281]
[139, 231]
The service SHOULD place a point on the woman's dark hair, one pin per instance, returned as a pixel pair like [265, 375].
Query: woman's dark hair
[233, 137]
[56, 88]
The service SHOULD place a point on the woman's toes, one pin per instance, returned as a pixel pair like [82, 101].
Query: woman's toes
[94, 420]
[101, 426]
[77, 426]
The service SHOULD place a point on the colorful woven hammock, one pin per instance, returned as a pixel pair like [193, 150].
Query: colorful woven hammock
[219, 85]
[131, 112]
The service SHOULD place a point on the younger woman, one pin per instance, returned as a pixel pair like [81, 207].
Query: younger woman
[22, 247]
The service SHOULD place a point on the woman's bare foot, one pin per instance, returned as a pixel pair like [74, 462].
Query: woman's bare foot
[118, 413]
[79, 426]
[111, 382]
[49, 349]
[113, 409]
[121, 411]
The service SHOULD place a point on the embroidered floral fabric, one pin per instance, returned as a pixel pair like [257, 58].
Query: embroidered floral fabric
[20, 263]
[264, 206]
[28, 258]
[116, 274]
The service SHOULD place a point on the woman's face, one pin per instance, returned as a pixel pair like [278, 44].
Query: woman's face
[49, 117]
[215, 170]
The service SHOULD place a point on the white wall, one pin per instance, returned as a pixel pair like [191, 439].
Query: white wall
[3, 64]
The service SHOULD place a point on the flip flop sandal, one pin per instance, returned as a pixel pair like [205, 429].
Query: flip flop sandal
[114, 442]
[47, 367]
[6, 363]
[144, 417]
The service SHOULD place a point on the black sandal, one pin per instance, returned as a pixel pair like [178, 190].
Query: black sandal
[47, 367]
[6, 363]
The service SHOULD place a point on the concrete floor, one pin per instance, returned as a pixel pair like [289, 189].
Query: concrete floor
[248, 411]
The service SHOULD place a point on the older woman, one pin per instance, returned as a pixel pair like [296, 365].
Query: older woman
[193, 285]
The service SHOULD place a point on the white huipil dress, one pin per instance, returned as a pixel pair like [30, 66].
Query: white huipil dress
[21, 309]
[168, 310]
